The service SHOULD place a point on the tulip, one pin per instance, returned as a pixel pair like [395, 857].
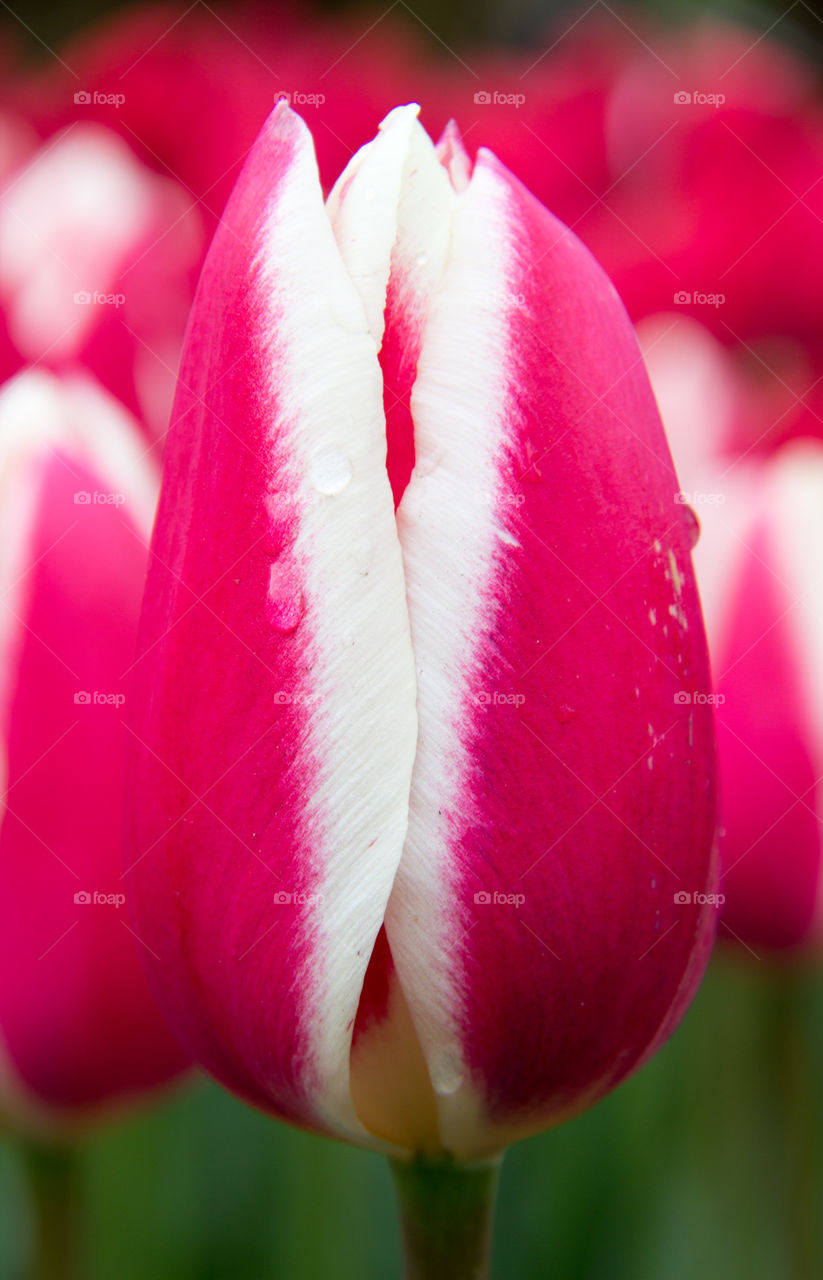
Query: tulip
[421, 826]
[757, 572]
[80, 1034]
[705, 116]
[762, 570]
[97, 256]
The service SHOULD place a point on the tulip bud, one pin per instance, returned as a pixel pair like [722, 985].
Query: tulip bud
[421, 808]
[766, 628]
[78, 1027]
[96, 261]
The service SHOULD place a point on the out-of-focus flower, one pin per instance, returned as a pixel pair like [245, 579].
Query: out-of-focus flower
[97, 263]
[421, 801]
[726, 131]
[78, 1027]
[766, 633]
[191, 89]
[759, 572]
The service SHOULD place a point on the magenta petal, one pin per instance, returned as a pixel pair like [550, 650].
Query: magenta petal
[562, 795]
[275, 684]
[78, 1025]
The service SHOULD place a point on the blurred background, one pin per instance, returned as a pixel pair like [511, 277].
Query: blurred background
[684, 144]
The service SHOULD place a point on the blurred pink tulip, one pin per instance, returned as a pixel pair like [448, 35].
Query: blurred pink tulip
[97, 262]
[726, 129]
[79, 1031]
[759, 571]
[766, 630]
[415, 797]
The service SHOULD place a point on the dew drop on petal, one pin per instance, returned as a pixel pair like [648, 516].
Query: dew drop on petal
[446, 1074]
[285, 597]
[692, 527]
[422, 259]
[330, 470]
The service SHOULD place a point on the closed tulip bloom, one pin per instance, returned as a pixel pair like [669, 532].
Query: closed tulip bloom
[90, 241]
[766, 628]
[79, 1030]
[416, 795]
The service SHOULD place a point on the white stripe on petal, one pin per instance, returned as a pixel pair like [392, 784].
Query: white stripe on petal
[361, 725]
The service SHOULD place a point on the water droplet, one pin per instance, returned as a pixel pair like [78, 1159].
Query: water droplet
[422, 259]
[285, 597]
[330, 470]
[692, 527]
[446, 1074]
[282, 510]
[369, 193]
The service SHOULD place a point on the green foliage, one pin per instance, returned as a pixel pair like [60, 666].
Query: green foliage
[709, 1162]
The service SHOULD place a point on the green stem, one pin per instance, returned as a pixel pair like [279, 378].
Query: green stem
[446, 1211]
[52, 1172]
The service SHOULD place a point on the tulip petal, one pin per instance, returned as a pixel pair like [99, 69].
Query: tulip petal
[391, 212]
[560, 797]
[80, 1031]
[766, 647]
[276, 743]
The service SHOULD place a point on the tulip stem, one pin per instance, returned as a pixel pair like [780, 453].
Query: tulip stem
[52, 1174]
[446, 1211]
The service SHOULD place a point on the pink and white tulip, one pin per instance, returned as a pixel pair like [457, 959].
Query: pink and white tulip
[79, 1030]
[98, 257]
[762, 571]
[414, 790]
